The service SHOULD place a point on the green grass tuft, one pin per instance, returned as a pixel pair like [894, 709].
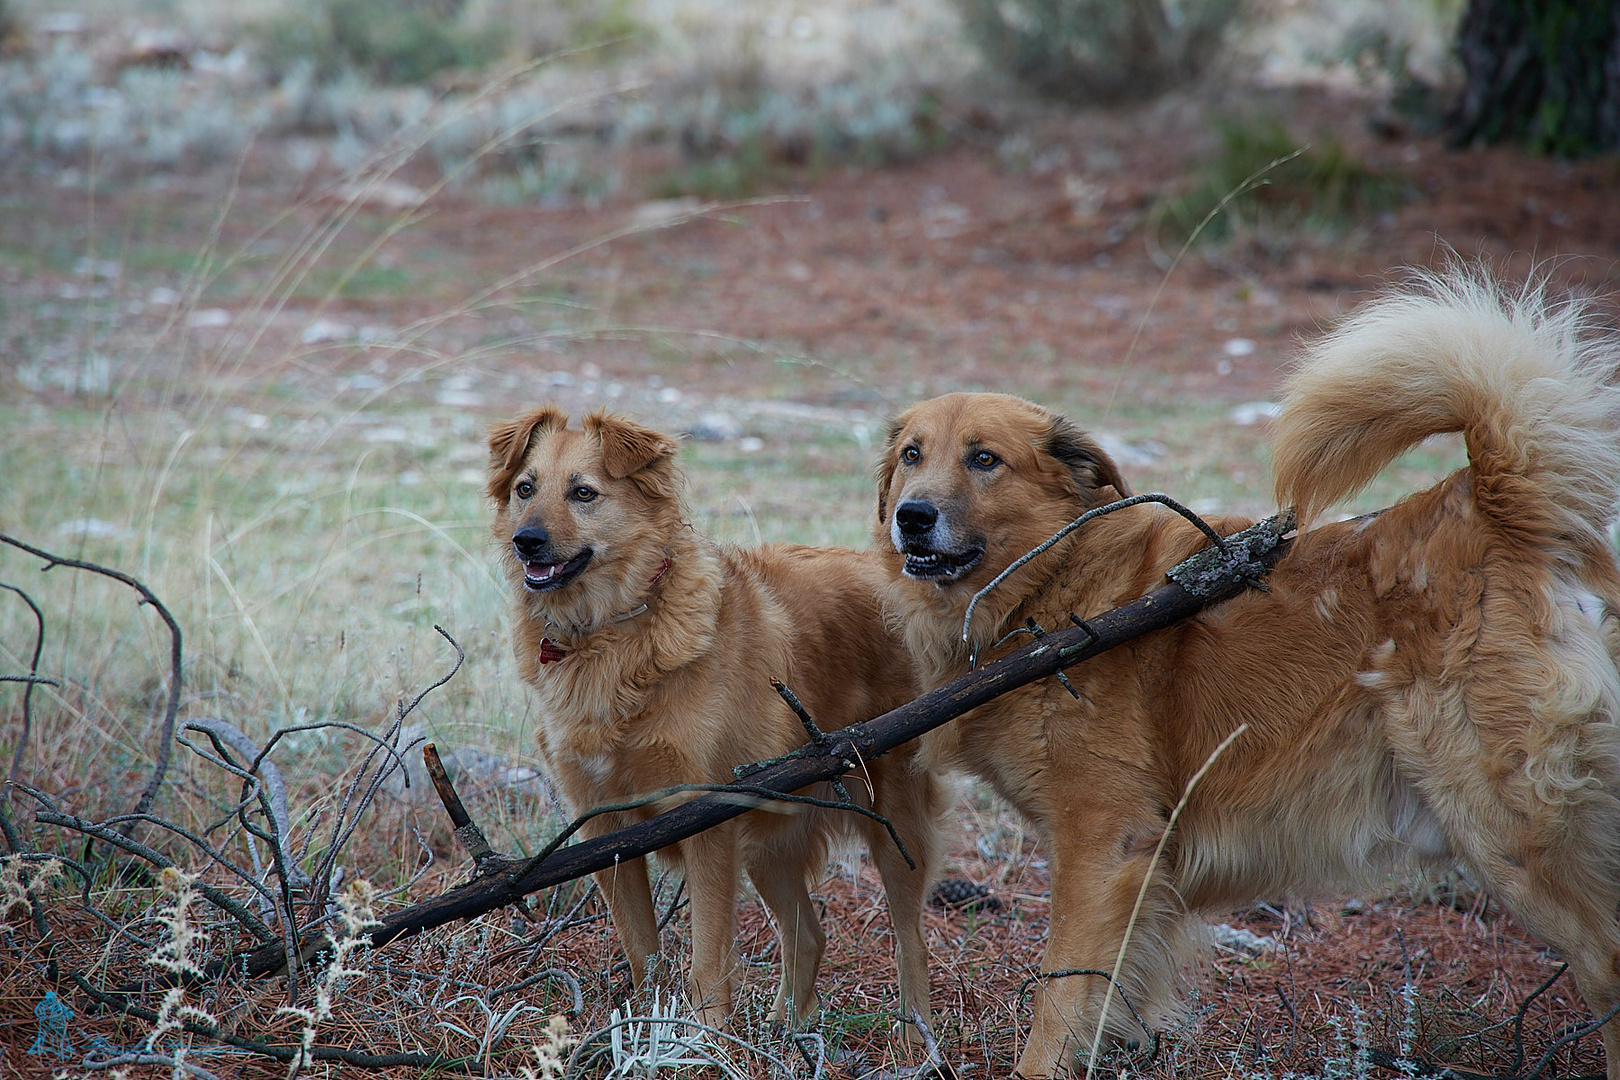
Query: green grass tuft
[1276, 186]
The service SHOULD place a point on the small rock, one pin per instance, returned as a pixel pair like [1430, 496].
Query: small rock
[382, 195]
[471, 770]
[1239, 939]
[716, 427]
[665, 211]
[1129, 455]
[1252, 412]
[212, 318]
[1238, 346]
[750, 444]
[324, 330]
[1112, 304]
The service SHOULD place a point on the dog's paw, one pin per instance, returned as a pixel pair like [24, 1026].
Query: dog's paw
[799, 1019]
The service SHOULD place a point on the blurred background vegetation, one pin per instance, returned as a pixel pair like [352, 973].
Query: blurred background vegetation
[713, 99]
[345, 117]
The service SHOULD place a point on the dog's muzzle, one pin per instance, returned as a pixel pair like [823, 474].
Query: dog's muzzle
[931, 552]
[543, 571]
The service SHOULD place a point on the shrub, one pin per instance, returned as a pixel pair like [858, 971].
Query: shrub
[393, 41]
[732, 144]
[148, 118]
[1086, 51]
[1278, 186]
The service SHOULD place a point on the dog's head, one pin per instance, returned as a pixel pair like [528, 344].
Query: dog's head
[583, 513]
[970, 482]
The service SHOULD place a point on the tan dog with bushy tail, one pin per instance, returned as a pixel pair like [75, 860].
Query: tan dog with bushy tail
[650, 651]
[1436, 683]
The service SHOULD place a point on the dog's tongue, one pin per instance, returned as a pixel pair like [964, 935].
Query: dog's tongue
[537, 571]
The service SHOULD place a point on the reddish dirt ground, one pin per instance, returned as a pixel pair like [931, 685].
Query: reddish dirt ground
[955, 271]
[959, 272]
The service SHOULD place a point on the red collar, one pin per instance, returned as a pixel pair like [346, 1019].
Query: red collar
[551, 652]
[663, 568]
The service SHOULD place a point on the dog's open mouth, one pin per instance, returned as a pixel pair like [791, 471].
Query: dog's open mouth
[941, 566]
[544, 577]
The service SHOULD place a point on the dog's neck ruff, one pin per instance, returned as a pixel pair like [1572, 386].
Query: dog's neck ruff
[551, 652]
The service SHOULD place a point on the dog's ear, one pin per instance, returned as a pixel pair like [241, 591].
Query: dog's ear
[509, 445]
[1088, 463]
[630, 450]
[885, 473]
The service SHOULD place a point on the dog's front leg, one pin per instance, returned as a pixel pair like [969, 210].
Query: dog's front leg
[1097, 873]
[629, 900]
[781, 885]
[711, 878]
[913, 800]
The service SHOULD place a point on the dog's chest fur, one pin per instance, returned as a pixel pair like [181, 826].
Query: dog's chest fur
[605, 698]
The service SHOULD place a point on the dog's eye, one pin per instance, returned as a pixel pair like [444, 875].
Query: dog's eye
[525, 490]
[583, 493]
[911, 455]
[984, 459]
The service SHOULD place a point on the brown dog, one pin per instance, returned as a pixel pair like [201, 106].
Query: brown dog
[650, 651]
[1436, 683]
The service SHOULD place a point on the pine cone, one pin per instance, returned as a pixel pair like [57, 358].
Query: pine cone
[960, 894]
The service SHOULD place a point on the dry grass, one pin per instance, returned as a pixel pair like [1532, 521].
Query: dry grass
[1328, 983]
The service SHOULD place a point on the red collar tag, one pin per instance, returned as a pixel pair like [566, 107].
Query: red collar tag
[550, 653]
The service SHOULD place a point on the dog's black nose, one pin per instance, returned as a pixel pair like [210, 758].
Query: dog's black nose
[915, 517]
[530, 542]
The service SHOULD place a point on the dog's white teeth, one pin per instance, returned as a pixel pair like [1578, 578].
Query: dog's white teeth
[539, 572]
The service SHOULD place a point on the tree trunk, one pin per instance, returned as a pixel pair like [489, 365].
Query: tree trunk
[1544, 74]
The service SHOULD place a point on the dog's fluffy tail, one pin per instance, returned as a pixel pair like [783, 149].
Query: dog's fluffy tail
[1529, 383]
